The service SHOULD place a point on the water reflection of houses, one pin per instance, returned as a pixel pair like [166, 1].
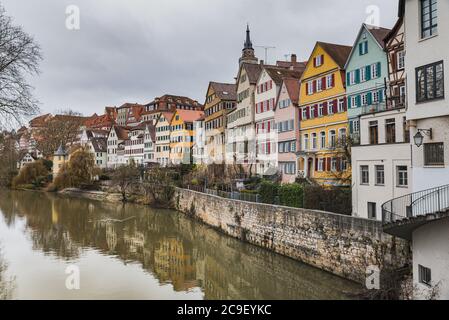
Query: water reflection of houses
[171, 247]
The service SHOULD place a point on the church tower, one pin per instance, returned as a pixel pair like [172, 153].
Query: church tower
[248, 55]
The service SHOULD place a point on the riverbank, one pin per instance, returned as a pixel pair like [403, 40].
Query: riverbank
[342, 245]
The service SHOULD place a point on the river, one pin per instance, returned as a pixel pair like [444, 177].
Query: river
[54, 247]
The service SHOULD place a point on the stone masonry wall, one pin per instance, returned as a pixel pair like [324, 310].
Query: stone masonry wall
[339, 244]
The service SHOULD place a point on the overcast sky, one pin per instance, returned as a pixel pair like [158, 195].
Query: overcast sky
[135, 50]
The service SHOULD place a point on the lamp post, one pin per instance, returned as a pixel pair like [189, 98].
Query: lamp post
[419, 137]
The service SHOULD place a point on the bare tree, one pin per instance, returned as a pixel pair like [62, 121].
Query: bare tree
[125, 177]
[343, 151]
[63, 129]
[19, 56]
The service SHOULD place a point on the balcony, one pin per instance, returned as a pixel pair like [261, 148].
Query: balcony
[383, 106]
[402, 215]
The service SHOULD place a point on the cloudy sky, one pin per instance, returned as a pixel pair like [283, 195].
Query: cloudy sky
[135, 50]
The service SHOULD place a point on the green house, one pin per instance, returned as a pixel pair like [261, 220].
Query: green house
[366, 73]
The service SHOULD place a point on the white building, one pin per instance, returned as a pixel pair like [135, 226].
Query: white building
[134, 145]
[116, 135]
[26, 159]
[97, 146]
[199, 144]
[149, 141]
[381, 164]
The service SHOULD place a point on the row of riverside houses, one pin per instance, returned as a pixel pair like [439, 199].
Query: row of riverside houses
[342, 118]
[372, 116]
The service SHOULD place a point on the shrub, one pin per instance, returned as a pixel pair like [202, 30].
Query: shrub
[291, 195]
[34, 173]
[268, 192]
[332, 199]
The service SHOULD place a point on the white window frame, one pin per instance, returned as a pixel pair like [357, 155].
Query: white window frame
[362, 74]
[374, 74]
[310, 88]
[320, 110]
[364, 97]
[329, 81]
[341, 105]
[401, 60]
[304, 113]
[330, 107]
[375, 96]
[353, 102]
[320, 164]
[314, 141]
[319, 85]
[323, 143]
[306, 141]
[319, 60]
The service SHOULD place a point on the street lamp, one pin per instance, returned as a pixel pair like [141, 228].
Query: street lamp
[419, 138]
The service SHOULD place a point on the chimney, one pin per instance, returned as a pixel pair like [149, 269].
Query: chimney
[294, 58]
[261, 62]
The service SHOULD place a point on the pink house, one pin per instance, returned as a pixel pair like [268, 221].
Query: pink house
[286, 117]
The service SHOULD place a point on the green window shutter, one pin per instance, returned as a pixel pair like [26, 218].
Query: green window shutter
[370, 98]
[359, 101]
[349, 102]
[360, 49]
[351, 126]
[357, 76]
[378, 69]
[366, 46]
[368, 73]
[381, 95]
[348, 79]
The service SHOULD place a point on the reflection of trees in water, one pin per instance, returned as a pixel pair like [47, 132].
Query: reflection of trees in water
[175, 249]
[6, 283]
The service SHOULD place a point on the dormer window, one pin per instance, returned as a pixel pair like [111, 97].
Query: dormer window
[319, 60]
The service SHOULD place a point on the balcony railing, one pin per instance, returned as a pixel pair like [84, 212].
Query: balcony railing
[380, 107]
[431, 201]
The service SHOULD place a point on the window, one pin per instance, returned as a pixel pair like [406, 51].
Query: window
[341, 105]
[352, 77]
[312, 113]
[332, 139]
[334, 164]
[323, 139]
[372, 210]
[429, 18]
[375, 96]
[320, 110]
[330, 107]
[306, 142]
[319, 85]
[342, 135]
[304, 113]
[364, 175]
[314, 141]
[390, 131]
[406, 130]
[363, 48]
[329, 81]
[430, 82]
[319, 61]
[401, 60]
[321, 164]
[402, 176]
[380, 175]
[424, 275]
[434, 154]
[373, 133]
[363, 74]
[310, 88]
[353, 101]
[364, 99]
[375, 71]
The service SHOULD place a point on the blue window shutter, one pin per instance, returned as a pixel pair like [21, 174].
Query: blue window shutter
[349, 102]
[368, 73]
[357, 76]
[370, 98]
[378, 69]
[348, 79]
[381, 95]
[360, 49]
[359, 101]
[366, 47]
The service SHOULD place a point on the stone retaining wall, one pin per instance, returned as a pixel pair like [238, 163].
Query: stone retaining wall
[339, 244]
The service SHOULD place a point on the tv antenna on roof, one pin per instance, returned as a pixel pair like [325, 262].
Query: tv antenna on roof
[266, 48]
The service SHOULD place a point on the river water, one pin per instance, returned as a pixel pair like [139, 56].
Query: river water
[54, 247]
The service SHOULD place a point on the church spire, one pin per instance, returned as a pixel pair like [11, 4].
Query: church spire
[248, 44]
[248, 55]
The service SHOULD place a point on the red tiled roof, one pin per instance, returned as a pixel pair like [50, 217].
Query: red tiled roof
[293, 88]
[190, 115]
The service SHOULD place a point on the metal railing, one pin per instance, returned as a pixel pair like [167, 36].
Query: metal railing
[235, 195]
[416, 204]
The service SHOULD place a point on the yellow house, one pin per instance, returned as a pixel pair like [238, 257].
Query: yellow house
[182, 135]
[323, 116]
[60, 157]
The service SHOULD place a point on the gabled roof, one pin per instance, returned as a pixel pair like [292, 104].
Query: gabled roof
[377, 33]
[121, 132]
[252, 70]
[189, 115]
[279, 73]
[293, 88]
[168, 115]
[339, 53]
[99, 144]
[224, 91]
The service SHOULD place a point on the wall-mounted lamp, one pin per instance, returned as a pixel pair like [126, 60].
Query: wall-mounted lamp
[419, 138]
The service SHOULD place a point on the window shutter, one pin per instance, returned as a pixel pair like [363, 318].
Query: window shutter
[370, 98]
[325, 108]
[316, 164]
[359, 101]
[335, 106]
[328, 162]
[360, 49]
[300, 115]
[345, 104]
[338, 163]
[315, 111]
[351, 126]
[368, 73]
[323, 83]
[307, 88]
[357, 76]
[381, 95]
[378, 69]
[322, 59]
[348, 79]
[349, 102]
[366, 46]
[314, 62]
[333, 80]
[314, 86]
